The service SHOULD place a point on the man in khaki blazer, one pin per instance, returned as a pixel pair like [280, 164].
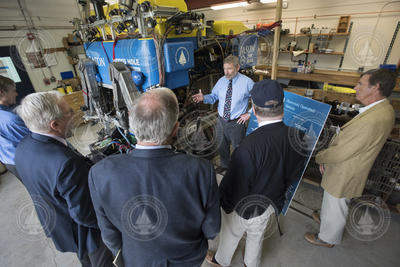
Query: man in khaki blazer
[346, 163]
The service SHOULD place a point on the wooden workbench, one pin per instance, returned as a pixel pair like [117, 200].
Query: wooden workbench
[323, 96]
[329, 76]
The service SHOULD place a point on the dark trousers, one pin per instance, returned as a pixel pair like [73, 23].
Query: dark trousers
[228, 132]
[102, 257]
[13, 170]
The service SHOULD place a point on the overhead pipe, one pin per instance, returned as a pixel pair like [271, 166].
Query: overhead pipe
[328, 15]
[14, 28]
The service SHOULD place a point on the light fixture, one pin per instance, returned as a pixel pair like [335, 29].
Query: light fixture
[267, 1]
[229, 5]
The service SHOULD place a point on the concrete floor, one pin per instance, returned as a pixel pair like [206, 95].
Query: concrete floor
[20, 247]
[22, 243]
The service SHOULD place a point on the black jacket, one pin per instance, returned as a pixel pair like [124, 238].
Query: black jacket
[265, 164]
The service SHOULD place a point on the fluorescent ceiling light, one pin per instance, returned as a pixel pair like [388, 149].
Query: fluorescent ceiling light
[267, 1]
[229, 5]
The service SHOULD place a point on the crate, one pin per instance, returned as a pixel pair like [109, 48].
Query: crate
[384, 174]
[343, 25]
[386, 170]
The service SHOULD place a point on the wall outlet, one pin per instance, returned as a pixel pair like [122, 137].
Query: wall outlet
[284, 4]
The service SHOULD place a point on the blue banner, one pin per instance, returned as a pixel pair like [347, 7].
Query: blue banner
[246, 49]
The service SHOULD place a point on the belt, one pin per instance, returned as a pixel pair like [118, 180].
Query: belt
[227, 120]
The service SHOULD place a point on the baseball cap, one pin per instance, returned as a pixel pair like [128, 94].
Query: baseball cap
[267, 90]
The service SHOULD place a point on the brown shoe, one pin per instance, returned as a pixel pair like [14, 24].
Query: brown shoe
[314, 239]
[210, 259]
[316, 217]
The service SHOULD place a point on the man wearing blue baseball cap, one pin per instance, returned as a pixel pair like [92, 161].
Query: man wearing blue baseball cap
[260, 171]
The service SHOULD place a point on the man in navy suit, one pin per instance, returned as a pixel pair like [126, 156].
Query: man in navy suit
[56, 177]
[156, 207]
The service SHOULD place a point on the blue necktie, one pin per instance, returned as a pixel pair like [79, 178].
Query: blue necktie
[228, 101]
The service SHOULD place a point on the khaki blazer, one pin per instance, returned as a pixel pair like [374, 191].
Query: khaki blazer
[352, 152]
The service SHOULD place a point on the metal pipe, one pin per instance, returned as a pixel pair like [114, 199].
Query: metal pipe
[98, 9]
[322, 16]
[12, 37]
[277, 34]
[14, 28]
[377, 22]
[126, 3]
[396, 31]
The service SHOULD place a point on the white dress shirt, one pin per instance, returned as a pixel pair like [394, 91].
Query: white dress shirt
[268, 122]
[363, 109]
[152, 147]
[60, 139]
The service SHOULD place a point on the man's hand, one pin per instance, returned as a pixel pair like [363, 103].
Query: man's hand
[243, 118]
[321, 169]
[198, 97]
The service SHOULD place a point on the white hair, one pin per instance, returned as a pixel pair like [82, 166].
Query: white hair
[153, 115]
[37, 110]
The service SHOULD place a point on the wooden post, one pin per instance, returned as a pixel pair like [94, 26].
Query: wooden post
[278, 16]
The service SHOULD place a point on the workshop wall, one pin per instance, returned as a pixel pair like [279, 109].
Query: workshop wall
[368, 28]
[51, 19]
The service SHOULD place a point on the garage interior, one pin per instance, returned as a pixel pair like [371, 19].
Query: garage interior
[316, 49]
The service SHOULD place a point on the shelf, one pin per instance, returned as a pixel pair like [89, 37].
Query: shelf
[316, 34]
[330, 76]
[316, 53]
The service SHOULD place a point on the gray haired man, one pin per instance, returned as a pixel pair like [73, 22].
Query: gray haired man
[157, 207]
[56, 177]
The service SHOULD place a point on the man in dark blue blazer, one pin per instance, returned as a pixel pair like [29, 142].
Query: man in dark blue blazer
[156, 207]
[56, 177]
